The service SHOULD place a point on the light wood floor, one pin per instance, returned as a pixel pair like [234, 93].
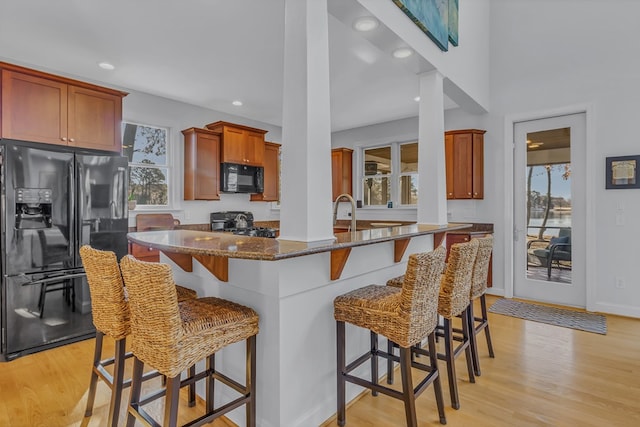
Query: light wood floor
[542, 376]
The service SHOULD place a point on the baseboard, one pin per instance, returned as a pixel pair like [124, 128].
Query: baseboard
[616, 309]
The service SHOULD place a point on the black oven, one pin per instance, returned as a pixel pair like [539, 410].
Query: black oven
[235, 178]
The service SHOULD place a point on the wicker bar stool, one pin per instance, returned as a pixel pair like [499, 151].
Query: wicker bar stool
[453, 301]
[111, 317]
[479, 280]
[478, 288]
[171, 336]
[404, 315]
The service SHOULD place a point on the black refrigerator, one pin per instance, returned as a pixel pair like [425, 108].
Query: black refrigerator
[53, 201]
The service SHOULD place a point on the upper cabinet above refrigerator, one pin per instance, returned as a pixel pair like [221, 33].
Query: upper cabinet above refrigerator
[41, 107]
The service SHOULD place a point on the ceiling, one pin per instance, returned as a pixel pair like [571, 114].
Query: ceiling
[210, 53]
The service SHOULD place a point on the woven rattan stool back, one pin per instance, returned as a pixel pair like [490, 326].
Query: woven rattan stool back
[455, 287]
[108, 304]
[481, 266]
[419, 296]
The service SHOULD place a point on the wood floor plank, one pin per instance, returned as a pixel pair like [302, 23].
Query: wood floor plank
[542, 375]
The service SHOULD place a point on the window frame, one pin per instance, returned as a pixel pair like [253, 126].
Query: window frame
[168, 166]
[394, 176]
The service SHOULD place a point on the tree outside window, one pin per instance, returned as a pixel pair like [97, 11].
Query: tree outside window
[146, 148]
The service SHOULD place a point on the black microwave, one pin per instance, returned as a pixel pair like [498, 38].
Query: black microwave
[235, 178]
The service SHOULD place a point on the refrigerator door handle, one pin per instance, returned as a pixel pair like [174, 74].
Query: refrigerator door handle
[125, 196]
[71, 210]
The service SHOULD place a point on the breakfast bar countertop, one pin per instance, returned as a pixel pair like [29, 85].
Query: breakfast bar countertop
[192, 242]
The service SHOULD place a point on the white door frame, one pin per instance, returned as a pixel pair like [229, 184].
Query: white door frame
[590, 187]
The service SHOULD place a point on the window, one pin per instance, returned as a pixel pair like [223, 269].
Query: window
[146, 148]
[395, 163]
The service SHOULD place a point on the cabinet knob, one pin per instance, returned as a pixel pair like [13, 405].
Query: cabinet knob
[63, 138]
[468, 194]
[71, 140]
[451, 194]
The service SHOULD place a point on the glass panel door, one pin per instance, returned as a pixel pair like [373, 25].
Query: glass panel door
[549, 210]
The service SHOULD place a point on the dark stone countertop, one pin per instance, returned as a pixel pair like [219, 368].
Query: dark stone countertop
[193, 242]
[476, 228]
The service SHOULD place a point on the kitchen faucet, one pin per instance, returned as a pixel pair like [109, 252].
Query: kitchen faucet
[353, 210]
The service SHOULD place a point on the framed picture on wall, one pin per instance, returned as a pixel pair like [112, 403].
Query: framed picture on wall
[622, 172]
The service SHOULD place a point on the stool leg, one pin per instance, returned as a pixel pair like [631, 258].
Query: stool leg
[340, 345]
[407, 387]
[374, 361]
[437, 387]
[118, 379]
[390, 347]
[467, 349]
[210, 382]
[136, 388]
[473, 342]
[485, 321]
[251, 381]
[451, 366]
[93, 382]
[171, 402]
[192, 387]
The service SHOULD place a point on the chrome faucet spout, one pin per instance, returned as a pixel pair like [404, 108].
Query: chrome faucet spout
[353, 210]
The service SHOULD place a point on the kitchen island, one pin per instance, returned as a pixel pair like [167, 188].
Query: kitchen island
[291, 285]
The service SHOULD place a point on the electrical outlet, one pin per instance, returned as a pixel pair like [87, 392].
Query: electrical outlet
[620, 283]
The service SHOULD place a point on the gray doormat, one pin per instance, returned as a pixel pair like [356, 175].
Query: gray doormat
[589, 322]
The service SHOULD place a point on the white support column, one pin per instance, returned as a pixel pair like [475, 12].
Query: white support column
[432, 202]
[306, 213]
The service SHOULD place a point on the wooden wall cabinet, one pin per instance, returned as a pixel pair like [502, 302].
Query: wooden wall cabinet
[464, 153]
[41, 107]
[341, 171]
[201, 164]
[240, 144]
[271, 191]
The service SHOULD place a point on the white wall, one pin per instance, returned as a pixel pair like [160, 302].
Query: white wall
[551, 54]
[465, 67]
[153, 110]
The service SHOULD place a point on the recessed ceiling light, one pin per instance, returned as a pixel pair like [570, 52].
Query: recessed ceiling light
[237, 103]
[106, 66]
[402, 52]
[365, 23]
[417, 99]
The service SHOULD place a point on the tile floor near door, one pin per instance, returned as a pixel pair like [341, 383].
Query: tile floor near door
[542, 375]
